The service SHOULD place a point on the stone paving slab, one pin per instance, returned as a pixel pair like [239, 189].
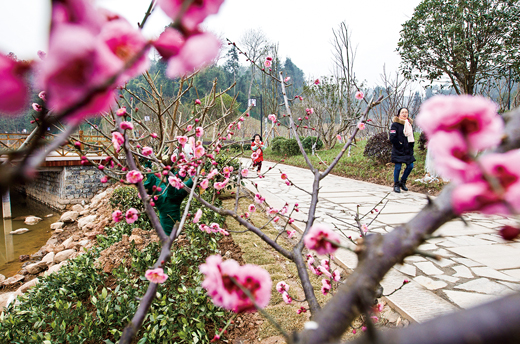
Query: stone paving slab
[477, 265]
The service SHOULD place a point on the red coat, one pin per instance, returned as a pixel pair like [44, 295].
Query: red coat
[258, 150]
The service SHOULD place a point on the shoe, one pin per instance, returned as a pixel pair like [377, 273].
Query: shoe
[402, 183]
[396, 187]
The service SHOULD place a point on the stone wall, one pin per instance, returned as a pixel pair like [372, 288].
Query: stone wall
[61, 186]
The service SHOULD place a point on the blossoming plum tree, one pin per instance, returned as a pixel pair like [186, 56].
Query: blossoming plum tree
[80, 78]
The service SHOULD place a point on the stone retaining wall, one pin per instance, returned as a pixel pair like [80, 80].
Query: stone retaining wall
[60, 186]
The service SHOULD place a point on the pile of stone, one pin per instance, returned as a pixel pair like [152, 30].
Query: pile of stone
[84, 224]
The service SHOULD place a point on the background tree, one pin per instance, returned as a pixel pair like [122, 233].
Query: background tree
[467, 40]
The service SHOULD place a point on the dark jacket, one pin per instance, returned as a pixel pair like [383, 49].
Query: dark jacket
[402, 150]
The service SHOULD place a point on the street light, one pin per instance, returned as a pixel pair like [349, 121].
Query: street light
[252, 102]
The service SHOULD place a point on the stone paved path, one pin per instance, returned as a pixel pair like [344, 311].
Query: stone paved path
[477, 265]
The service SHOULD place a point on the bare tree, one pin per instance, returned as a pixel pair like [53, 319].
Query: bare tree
[255, 45]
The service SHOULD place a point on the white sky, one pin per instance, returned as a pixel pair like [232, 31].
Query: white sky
[302, 28]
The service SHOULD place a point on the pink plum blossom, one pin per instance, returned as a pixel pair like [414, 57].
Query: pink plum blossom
[251, 208]
[204, 184]
[182, 140]
[78, 62]
[309, 111]
[104, 179]
[221, 185]
[199, 131]
[134, 177]
[290, 234]
[175, 182]
[325, 286]
[338, 137]
[475, 118]
[244, 172]
[364, 228]
[169, 43]
[156, 275]
[213, 173]
[287, 79]
[37, 107]
[147, 151]
[43, 96]
[317, 82]
[199, 151]
[479, 195]
[272, 118]
[126, 125]
[131, 215]
[336, 276]
[197, 216]
[267, 63]
[117, 216]
[259, 199]
[316, 239]
[283, 176]
[282, 286]
[125, 43]
[276, 219]
[198, 50]
[121, 112]
[189, 127]
[195, 13]
[223, 290]
[361, 126]
[452, 156]
[13, 88]
[197, 101]
[359, 95]
[154, 135]
[286, 297]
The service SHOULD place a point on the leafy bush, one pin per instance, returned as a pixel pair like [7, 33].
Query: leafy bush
[247, 146]
[379, 148]
[422, 141]
[277, 144]
[309, 141]
[82, 304]
[290, 147]
[125, 198]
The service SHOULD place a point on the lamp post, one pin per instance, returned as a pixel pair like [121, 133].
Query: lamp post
[252, 102]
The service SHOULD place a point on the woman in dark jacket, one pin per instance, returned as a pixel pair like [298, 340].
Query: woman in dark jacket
[401, 136]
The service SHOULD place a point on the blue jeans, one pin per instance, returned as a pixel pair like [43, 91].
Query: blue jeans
[406, 173]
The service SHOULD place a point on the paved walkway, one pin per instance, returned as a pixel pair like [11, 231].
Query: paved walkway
[477, 265]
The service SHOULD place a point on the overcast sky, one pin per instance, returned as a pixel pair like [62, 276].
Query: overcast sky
[303, 28]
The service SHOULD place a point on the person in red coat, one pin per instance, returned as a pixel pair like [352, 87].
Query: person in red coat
[257, 147]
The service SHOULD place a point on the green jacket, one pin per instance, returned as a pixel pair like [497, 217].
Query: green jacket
[169, 201]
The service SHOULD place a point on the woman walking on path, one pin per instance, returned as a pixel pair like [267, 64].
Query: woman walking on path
[401, 136]
[257, 147]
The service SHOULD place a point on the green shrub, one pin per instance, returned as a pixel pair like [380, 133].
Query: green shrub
[379, 148]
[290, 147]
[247, 146]
[277, 144]
[309, 141]
[125, 197]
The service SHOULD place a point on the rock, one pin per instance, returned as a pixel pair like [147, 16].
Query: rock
[57, 225]
[21, 218]
[58, 230]
[69, 216]
[124, 239]
[32, 220]
[97, 200]
[67, 242]
[36, 268]
[58, 249]
[52, 241]
[49, 215]
[19, 231]
[84, 212]
[27, 286]
[38, 255]
[6, 299]
[86, 220]
[138, 240]
[84, 243]
[78, 208]
[2, 278]
[24, 257]
[13, 280]
[63, 255]
[49, 258]
[54, 268]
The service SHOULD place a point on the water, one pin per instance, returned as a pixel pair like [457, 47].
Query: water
[12, 246]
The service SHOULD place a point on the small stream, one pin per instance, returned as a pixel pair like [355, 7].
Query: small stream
[12, 246]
